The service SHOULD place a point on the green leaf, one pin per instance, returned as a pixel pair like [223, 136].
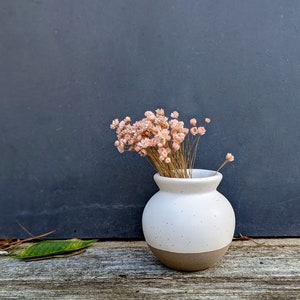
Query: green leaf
[49, 248]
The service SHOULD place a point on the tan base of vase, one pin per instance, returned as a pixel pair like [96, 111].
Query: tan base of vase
[189, 261]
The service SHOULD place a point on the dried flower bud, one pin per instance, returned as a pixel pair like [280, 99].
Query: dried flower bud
[207, 120]
[121, 148]
[127, 120]
[143, 153]
[229, 157]
[168, 160]
[114, 124]
[175, 146]
[185, 131]
[174, 115]
[201, 130]
[194, 130]
[193, 122]
[150, 115]
[160, 112]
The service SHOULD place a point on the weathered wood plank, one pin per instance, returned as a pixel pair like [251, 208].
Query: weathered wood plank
[127, 270]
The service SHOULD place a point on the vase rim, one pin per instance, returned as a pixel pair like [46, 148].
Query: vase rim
[199, 175]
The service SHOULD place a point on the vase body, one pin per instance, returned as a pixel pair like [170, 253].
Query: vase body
[188, 224]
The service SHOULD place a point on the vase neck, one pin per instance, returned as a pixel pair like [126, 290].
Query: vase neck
[203, 181]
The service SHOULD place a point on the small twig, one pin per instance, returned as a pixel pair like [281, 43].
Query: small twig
[19, 242]
[38, 237]
[24, 228]
[247, 238]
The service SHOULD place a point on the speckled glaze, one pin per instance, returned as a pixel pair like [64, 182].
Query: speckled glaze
[188, 218]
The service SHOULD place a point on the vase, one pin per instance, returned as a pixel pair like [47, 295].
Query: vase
[188, 224]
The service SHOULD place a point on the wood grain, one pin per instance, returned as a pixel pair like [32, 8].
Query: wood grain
[128, 270]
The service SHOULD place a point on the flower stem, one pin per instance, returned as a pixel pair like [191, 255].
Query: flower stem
[222, 165]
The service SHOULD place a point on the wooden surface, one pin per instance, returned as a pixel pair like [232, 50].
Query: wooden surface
[127, 270]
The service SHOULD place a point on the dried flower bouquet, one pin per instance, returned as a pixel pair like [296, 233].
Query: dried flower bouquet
[166, 143]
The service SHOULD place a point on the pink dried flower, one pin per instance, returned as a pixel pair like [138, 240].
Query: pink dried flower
[175, 115]
[178, 137]
[176, 125]
[163, 141]
[229, 157]
[144, 143]
[127, 120]
[185, 131]
[194, 130]
[160, 112]
[164, 135]
[114, 124]
[121, 148]
[175, 146]
[173, 124]
[143, 153]
[201, 130]
[168, 160]
[163, 152]
[150, 115]
[207, 120]
[121, 126]
[193, 122]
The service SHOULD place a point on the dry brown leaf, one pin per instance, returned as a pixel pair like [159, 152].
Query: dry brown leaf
[8, 244]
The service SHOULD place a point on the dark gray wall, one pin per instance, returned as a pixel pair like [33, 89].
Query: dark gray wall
[69, 67]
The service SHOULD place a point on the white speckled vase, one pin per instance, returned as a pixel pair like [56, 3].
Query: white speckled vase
[188, 224]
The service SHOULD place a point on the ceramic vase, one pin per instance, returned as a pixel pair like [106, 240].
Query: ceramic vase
[188, 224]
